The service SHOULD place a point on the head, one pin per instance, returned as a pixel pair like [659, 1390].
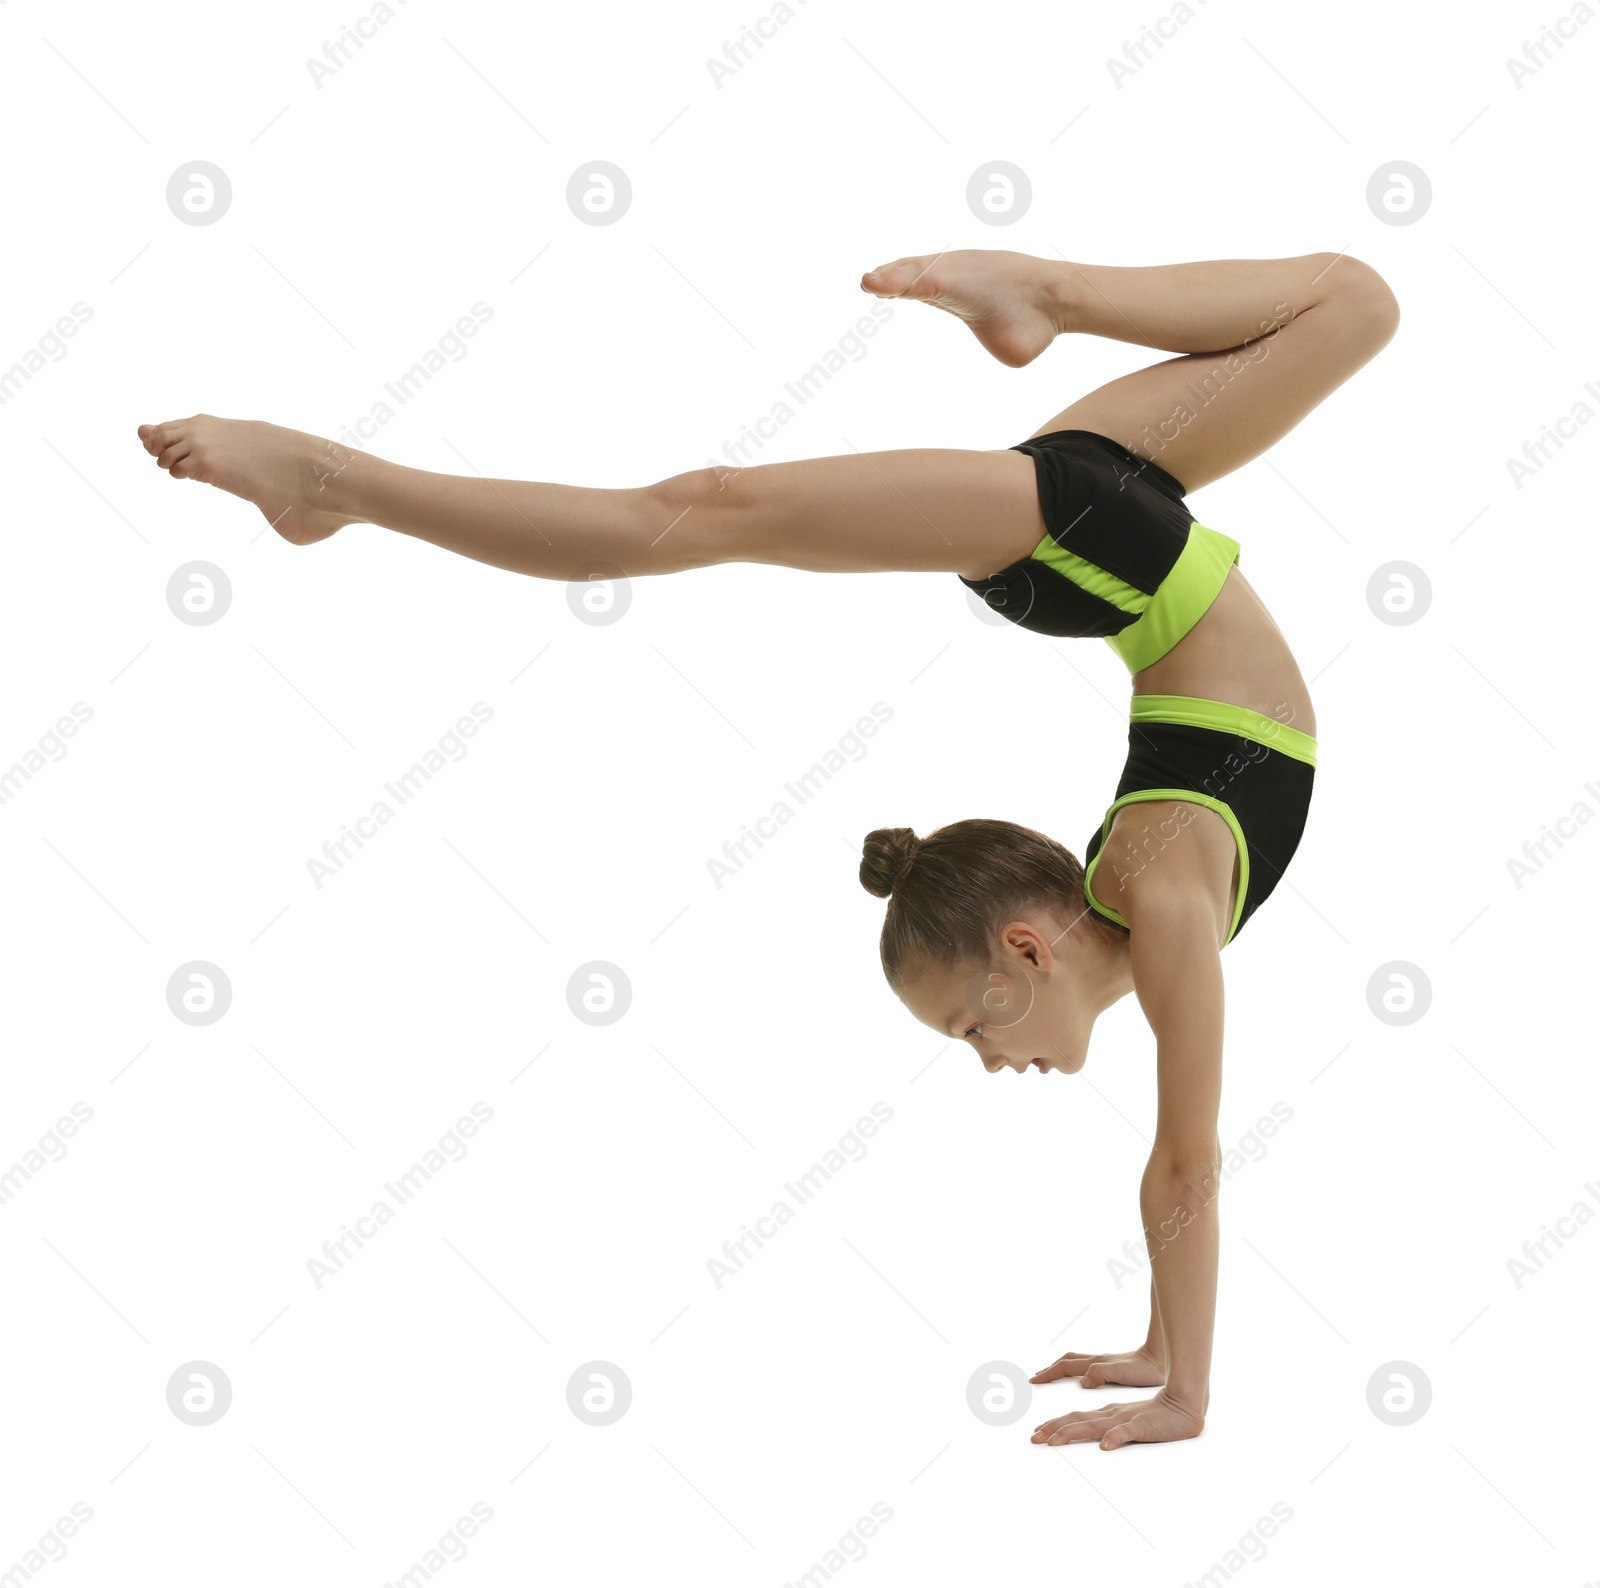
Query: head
[988, 940]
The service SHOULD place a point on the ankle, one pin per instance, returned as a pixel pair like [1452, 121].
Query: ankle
[342, 475]
[1061, 295]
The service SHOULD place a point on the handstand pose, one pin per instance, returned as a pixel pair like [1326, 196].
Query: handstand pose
[996, 935]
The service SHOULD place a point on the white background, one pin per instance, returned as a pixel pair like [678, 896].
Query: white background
[367, 1016]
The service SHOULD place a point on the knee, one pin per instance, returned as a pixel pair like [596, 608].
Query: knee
[1367, 298]
[701, 516]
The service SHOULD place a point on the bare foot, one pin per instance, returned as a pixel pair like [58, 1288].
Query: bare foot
[292, 477]
[1005, 298]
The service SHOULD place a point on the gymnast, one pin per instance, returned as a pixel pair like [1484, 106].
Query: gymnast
[996, 935]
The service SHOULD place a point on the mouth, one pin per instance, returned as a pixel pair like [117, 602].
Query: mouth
[1042, 1065]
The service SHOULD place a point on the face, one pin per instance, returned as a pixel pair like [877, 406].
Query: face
[1032, 1007]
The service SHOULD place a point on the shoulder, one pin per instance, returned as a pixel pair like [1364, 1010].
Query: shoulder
[1172, 864]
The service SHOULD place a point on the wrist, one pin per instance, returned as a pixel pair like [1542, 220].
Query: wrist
[1195, 1399]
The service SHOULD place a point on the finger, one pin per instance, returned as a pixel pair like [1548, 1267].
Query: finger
[1048, 1375]
[1068, 1366]
[1113, 1370]
[1120, 1434]
[1075, 1425]
[1078, 1433]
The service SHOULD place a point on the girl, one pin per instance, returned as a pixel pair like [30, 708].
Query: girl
[996, 935]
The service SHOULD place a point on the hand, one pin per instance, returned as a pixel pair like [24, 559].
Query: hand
[1148, 1422]
[1142, 1369]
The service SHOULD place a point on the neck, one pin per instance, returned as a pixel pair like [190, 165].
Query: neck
[1112, 977]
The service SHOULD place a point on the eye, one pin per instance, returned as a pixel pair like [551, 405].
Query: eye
[978, 1029]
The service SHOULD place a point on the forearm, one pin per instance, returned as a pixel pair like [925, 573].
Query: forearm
[1180, 1219]
[1204, 307]
[1154, 1344]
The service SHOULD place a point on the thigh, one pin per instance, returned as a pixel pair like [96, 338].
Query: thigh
[920, 510]
[1202, 415]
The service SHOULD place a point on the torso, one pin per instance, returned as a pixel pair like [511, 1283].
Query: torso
[1235, 654]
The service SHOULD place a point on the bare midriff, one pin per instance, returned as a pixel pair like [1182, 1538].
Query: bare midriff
[1238, 655]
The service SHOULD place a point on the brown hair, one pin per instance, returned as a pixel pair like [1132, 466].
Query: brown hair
[950, 893]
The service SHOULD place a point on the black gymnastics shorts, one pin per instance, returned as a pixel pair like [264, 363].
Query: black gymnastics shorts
[1254, 771]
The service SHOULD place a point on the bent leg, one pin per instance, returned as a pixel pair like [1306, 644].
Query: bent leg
[1264, 340]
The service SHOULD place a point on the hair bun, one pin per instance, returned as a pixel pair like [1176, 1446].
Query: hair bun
[886, 857]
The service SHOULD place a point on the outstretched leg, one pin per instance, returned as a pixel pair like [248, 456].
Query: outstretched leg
[916, 510]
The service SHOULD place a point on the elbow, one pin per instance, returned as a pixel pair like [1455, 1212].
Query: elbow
[1187, 1177]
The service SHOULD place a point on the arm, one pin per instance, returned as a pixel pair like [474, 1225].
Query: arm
[1178, 980]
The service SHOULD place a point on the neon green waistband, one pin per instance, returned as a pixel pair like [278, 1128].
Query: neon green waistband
[1180, 603]
[1200, 713]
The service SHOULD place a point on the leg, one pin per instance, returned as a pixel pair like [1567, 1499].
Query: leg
[922, 510]
[1265, 341]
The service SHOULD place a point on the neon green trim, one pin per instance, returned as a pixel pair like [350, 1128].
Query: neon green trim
[1188, 796]
[1201, 713]
[1183, 599]
[1091, 577]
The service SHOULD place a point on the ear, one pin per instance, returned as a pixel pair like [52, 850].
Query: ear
[1025, 941]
